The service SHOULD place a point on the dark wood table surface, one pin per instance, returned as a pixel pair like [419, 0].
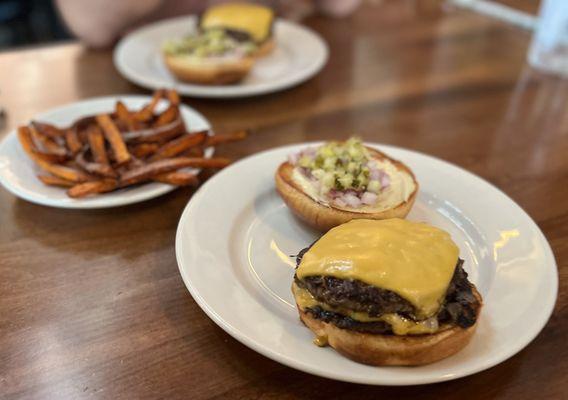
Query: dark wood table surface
[91, 302]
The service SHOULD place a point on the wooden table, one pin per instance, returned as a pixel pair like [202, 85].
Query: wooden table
[91, 302]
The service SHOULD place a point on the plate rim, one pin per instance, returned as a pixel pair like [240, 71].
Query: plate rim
[293, 363]
[202, 91]
[159, 190]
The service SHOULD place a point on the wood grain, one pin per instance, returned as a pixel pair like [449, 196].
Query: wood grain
[91, 302]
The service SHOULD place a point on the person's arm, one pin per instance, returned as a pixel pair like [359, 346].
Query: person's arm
[98, 23]
[300, 9]
[337, 8]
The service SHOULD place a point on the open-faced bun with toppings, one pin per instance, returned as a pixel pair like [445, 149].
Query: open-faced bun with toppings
[336, 182]
[211, 57]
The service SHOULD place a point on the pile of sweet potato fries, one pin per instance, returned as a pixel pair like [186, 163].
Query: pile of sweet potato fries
[105, 152]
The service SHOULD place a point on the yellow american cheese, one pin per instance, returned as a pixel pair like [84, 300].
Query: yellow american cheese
[414, 260]
[399, 324]
[254, 19]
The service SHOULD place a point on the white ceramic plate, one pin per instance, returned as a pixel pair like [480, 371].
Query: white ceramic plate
[18, 172]
[299, 54]
[235, 237]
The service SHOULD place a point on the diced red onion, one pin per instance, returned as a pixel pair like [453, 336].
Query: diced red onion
[431, 323]
[385, 180]
[369, 198]
[316, 183]
[339, 202]
[293, 158]
[310, 152]
[352, 200]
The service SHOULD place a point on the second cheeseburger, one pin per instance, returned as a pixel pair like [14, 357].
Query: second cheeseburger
[387, 292]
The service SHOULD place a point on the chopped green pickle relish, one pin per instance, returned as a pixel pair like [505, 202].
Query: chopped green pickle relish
[212, 42]
[341, 166]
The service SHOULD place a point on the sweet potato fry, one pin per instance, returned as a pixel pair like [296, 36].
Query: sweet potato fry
[50, 158]
[45, 143]
[48, 130]
[225, 138]
[80, 126]
[114, 137]
[142, 146]
[157, 135]
[147, 112]
[61, 171]
[97, 144]
[25, 138]
[72, 141]
[179, 145]
[196, 152]
[169, 115]
[51, 180]
[143, 150]
[152, 169]
[143, 115]
[95, 167]
[218, 162]
[93, 187]
[177, 178]
[134, 163]
[124, 115]
[173, 97]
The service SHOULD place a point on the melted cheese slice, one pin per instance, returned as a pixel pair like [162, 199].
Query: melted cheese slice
[414, 260]
[399, 324]
[251, 18]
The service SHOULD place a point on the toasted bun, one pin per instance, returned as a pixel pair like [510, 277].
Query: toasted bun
[209, 72]
[375, 349]
[265, 48]
[323, 216]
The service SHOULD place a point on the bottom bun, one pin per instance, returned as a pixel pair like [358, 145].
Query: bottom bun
[375, 349]
[265, 48]
[209, 72]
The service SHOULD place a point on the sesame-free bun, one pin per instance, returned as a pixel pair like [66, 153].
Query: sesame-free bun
[265, 48]
[209, 71]
[323, 216]
[377, 349]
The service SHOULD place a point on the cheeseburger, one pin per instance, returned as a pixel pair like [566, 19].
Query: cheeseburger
[386, 292]
[244, 21]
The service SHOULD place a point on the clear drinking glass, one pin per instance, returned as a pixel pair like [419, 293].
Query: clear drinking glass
[549, 47]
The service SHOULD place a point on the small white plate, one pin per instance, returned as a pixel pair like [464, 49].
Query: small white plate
[299, 54]
[235, 237]
[18, 172]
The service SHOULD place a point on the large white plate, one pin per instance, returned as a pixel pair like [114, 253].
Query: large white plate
[299, 54]
[18, 172]
[235, 237]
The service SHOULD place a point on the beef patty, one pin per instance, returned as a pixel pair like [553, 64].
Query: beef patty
[459, 307]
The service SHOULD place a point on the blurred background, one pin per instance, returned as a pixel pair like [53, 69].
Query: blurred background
[30, 22]
[36, 22]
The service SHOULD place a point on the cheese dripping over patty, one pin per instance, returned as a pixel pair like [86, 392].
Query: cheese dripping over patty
[256, 20]
[412, 259]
